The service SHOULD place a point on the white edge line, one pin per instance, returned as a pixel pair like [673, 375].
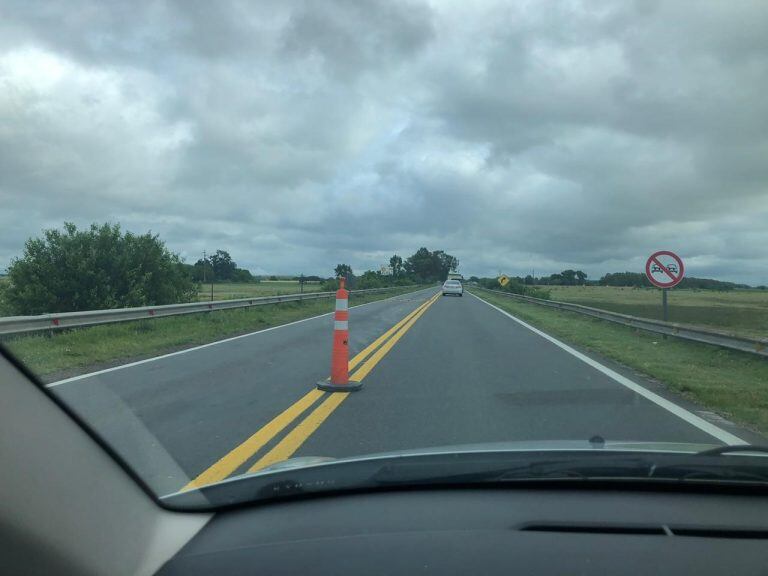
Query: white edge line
[678, 411]
[201, 346]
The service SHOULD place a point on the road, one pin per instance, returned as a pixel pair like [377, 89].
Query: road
[436, 371]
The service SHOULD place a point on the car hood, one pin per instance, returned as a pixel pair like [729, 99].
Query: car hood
[481, 462]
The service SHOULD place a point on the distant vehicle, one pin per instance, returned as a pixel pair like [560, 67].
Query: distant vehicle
[453, 287]
[455, 276]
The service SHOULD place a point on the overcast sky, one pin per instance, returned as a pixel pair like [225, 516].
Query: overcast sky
[297, 135]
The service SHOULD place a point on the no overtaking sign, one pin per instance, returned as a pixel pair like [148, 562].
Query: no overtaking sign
[664, 269]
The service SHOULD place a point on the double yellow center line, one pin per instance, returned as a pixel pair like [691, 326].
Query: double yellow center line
[369, 357]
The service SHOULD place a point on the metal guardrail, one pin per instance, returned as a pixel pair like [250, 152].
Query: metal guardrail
[686, 332]
[22, 324]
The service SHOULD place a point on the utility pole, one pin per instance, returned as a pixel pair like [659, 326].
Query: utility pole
[205, 265]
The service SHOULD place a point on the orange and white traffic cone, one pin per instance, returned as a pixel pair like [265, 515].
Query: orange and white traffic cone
[340, 356]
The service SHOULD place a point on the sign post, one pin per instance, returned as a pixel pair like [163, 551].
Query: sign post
[665, 270]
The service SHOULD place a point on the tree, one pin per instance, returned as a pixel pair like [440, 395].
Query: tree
[625, 279]
[564, 278]
[201, 271]
[444, 263]
[420, 265]
[222, 265]
[242, 275]
[426, 266]
[70, 270]
[396, 263]
[568, 277]
[343, 270]
[553, 280]
[219, 267]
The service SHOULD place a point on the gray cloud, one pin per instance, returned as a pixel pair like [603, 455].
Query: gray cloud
[298, 134]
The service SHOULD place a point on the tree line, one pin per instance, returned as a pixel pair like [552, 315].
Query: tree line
[103, 267]
[623, 279]
[218, 267]
[422, 267]
[639, 279]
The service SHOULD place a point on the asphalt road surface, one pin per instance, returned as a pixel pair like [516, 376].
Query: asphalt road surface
[436, 371]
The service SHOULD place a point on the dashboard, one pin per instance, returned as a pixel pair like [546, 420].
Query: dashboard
[486, 531]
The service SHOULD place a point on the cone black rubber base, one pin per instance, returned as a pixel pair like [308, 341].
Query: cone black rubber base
[326, 386]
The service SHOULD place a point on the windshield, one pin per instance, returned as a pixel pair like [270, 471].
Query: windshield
[234, 239]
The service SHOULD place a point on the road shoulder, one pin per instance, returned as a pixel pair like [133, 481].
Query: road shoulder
[643, 376]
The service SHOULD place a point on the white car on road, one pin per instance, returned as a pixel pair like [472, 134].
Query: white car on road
[453, 287]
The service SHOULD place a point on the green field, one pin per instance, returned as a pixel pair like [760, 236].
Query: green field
[735, 384]
[738, 311]
[81, 350]
[234, 290]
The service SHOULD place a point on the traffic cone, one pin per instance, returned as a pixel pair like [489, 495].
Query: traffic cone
[340, 356]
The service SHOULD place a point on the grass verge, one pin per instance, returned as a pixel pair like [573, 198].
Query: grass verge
[735, 384]
[76, 351]
[742, 312]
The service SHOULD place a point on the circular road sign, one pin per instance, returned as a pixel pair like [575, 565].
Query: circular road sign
[664, 269]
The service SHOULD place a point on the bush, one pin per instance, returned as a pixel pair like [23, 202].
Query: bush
[329, 285]
[515, 286]
[5, 310]
[542, 293]
[370, 279]
[98, 268]
[490, 283]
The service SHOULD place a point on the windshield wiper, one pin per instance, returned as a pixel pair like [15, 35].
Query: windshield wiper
[733, 449]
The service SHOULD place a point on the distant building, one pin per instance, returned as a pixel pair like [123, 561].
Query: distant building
[386, 270]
